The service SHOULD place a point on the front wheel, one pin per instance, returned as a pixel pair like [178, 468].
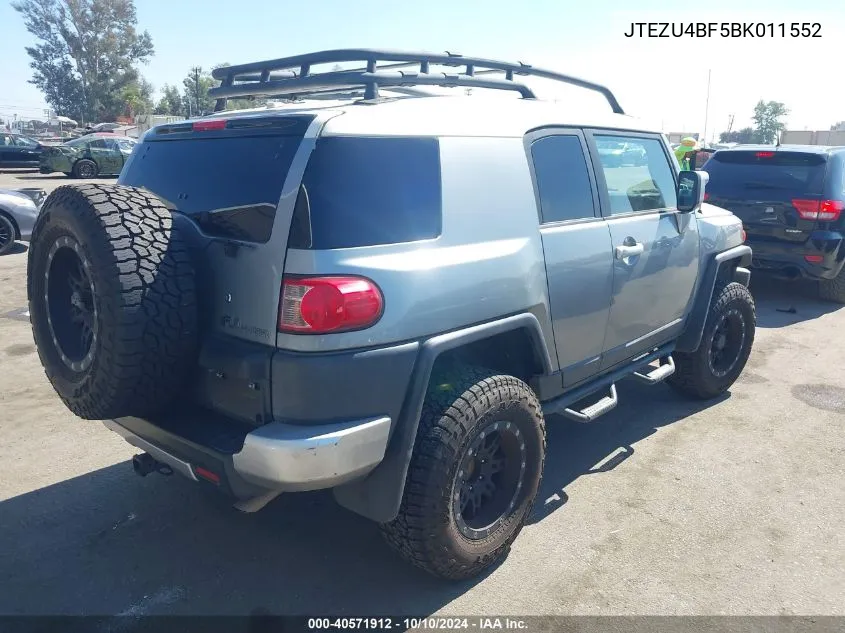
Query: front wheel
[833, 289]
[7, 234]
[725, 345]
[85, 168]
[474, 474]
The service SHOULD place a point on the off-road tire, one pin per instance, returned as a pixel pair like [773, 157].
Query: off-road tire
[693, 375]
[7, 234]
[83, 164]
[143, 291]
[833, 289]
[460, 402]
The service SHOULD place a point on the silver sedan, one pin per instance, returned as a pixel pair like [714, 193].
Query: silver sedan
[18, 210]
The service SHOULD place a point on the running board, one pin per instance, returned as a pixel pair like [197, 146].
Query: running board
[598, 409]
[658, 374]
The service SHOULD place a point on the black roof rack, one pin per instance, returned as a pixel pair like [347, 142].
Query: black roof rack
[291, 77]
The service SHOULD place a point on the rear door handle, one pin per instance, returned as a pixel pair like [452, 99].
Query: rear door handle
[625, 251]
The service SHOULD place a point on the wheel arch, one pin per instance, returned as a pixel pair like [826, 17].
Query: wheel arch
[729, 264]
[379, 495]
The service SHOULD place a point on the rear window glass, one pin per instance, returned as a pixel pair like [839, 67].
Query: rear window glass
[229, 184]
[369, 191]
[749, 173]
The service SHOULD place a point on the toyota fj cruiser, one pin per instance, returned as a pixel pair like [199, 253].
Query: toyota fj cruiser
[384, 296]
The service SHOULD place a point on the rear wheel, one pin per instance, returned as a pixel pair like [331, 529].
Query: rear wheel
[7, 234]
[833, 289]
[725, 345]
[474, 474]
[85, 168]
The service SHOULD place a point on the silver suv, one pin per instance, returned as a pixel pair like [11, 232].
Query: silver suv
[382, 292]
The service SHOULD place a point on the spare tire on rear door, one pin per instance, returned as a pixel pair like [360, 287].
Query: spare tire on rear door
[112, 300]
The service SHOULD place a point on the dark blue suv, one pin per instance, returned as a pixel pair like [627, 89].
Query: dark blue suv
[791, 200]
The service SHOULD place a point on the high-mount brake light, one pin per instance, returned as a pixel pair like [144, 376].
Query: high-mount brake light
[322, 305]
[210, 124]
[765, 154]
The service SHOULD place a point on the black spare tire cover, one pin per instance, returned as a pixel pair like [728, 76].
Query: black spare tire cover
[112, 300]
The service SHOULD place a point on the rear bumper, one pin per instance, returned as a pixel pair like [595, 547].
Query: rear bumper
[788, 259]
[276, 456]
[272, 420]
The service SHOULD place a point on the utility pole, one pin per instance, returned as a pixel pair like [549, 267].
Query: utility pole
[197, 70]
[707, 107]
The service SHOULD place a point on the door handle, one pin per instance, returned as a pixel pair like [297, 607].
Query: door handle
[625, 251]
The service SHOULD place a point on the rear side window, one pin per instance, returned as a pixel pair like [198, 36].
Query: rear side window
[369, 191]
[563, 181]
[777, 174]
[230, 184]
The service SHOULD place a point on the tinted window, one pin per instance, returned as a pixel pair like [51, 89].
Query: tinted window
[125, 144]
[98, 143]
[368, 191]
[5, 139]
[230, 185]
[638, 174]
[563, 181]
[741, 174]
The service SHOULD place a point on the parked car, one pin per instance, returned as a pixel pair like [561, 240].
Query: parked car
[618, 154]
[385, 300]
[791, 200]
[18, 211]
[17, 150]
[88, 156]
[103, 127]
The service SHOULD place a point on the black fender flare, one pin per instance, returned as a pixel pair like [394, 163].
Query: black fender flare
[379, 494]
[740, 256]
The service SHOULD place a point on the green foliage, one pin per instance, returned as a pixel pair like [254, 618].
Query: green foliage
[86, 55]
[745, 135]
[767, 120]
[171, 102]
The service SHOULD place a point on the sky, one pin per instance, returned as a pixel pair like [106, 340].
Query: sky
[663, 80]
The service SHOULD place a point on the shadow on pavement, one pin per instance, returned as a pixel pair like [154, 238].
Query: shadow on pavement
[783, 303]
[109, 542]
[17, 249]
[577, 449]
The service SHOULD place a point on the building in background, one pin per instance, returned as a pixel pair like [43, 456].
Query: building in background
[834, 136]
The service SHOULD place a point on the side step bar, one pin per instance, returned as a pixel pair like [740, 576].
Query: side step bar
[562, 405]
[588, 414]
[658, 374]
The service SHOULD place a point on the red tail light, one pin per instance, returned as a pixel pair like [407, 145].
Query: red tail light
[706, 196]
[814, 259]
[824, 210]
[321, 305]
[764, 154]
[743, 235]
[210, 124]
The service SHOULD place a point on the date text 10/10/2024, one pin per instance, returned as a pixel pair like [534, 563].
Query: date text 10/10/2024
[430, 623]
[724, 29]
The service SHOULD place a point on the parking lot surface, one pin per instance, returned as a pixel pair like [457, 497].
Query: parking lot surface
[662, 507]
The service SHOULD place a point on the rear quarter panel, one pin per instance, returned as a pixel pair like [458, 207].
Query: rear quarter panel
[486, 264]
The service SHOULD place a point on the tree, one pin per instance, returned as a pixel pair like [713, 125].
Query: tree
[745, 135]
[86, 54]
[837, 127]
[136, 98]
[171, 102]
[767, 120]
[197, 84]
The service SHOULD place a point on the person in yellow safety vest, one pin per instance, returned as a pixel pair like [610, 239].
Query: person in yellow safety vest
[681, 153]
